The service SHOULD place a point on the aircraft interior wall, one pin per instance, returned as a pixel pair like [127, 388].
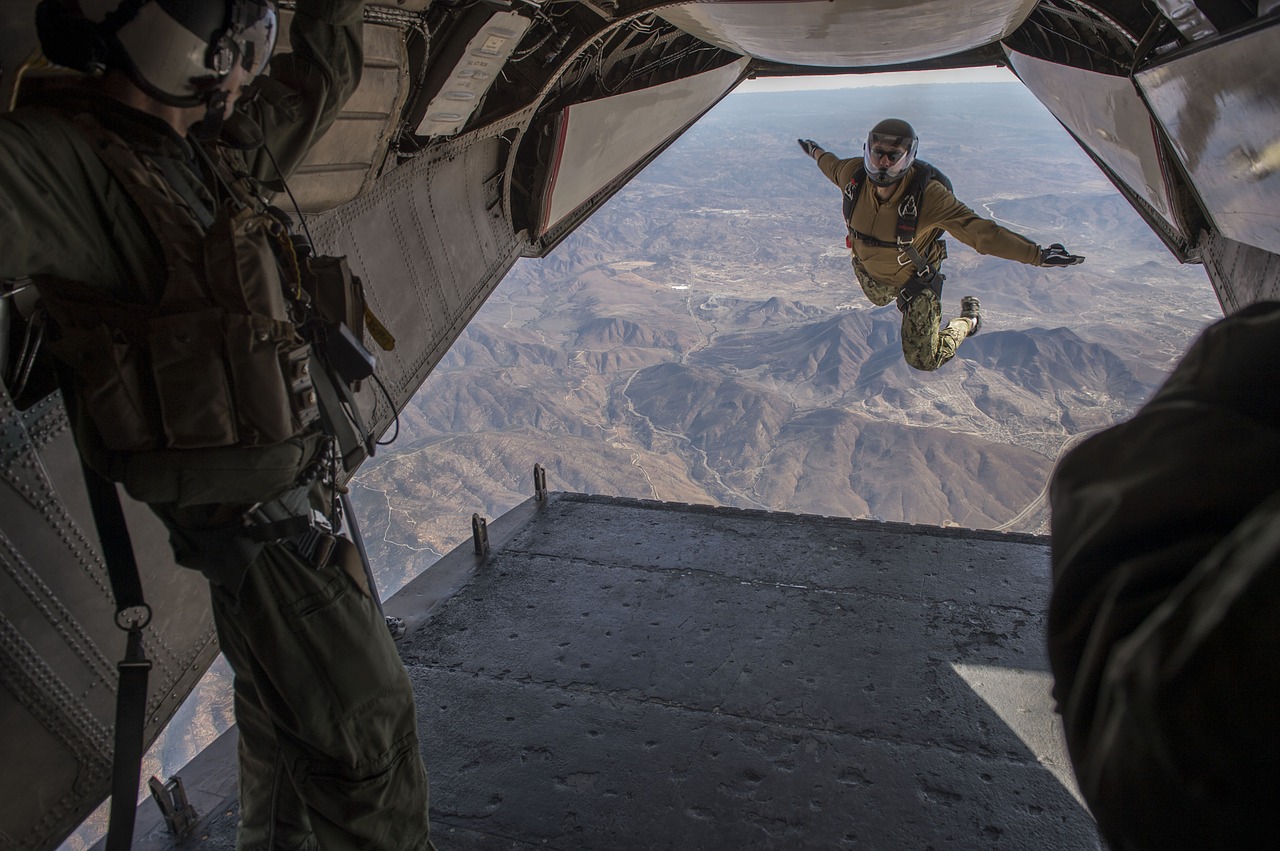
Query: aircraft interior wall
[1178, 111]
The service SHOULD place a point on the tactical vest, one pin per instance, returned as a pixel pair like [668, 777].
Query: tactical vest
[908, 213]
[208, 394]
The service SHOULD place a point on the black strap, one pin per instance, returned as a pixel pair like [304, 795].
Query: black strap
[126, 763]
[289, 527]
[132, 615]
[871, 240]
[117, 547]
[917, 285]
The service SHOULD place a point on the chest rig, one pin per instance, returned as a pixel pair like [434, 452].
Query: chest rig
[230, 360]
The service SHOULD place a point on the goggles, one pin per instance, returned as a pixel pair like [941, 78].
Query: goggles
[890, 154]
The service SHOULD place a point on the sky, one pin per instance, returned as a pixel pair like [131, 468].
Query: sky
[895, 78]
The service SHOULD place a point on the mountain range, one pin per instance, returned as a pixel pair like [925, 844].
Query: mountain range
[700, 339]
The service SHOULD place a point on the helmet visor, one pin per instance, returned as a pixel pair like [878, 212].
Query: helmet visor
[887, 157]
[887, 151]
[258, 40]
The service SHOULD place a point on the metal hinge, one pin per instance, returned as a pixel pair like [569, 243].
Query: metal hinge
[179, 816]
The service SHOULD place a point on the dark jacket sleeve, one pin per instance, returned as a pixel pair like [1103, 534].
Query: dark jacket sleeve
[61, 211]
[1166, 595]
[304, 89]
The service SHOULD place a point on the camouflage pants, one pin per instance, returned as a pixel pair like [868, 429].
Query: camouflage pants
[329, 754]
[926, 345]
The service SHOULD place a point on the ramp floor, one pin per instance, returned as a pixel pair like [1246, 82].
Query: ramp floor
[622, 674]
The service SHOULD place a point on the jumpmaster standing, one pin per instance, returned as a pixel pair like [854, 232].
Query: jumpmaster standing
[184, 314]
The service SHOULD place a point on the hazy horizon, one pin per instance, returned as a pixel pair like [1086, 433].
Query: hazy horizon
[828, 82]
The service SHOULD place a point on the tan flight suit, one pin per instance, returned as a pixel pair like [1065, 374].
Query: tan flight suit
[329, 752]
[1162, 630]
[882, 272]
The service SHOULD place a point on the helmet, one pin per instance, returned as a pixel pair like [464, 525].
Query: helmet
[177, 51]
[892, 134]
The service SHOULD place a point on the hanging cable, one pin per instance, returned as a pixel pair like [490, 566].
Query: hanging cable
[394, 412]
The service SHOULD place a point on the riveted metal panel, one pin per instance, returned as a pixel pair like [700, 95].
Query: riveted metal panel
[1241, 274]
[58, 641]
[431, 241]
[344, 162]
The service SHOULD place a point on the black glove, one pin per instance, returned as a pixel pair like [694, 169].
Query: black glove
[811, 147]
[1057, 255]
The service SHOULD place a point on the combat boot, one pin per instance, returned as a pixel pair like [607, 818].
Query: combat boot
[969, 310]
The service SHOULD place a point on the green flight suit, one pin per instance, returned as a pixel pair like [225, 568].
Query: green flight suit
[882, 272]
[1162, 630]
[329, 752]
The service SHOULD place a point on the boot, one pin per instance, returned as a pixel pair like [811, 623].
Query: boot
[969, 310]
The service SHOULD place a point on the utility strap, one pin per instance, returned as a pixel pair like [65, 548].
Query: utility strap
[126, 762]
[289, 527]
[132, 615]
[917, 285]
[871, 240]
[922, 267]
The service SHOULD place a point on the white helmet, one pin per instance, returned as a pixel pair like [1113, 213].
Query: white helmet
[177, 51]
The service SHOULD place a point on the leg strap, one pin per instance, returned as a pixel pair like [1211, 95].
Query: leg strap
[917, 285]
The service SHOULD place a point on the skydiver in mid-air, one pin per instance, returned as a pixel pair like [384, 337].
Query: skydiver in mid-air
[896, 208]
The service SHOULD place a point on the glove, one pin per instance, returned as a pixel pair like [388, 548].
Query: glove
[810, 147]
[1057, 255]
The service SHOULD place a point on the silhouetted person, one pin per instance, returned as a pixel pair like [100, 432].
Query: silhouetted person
[1164, 622]
[175, 303]
[896, 208]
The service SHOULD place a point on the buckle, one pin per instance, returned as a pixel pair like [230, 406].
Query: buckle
[316, 546]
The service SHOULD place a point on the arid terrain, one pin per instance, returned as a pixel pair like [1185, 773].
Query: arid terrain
[701, 339]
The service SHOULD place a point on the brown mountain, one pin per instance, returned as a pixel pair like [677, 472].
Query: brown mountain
[701, 338]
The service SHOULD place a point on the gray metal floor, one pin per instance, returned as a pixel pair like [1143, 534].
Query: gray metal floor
[622, 674]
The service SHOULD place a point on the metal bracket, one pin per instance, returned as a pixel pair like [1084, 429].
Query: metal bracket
[179, 816]
[539, 483]
[480, 534]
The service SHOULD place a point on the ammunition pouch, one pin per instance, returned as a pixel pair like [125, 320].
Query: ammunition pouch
[251, 349]
[337, 296]
[216, 362]
[192, 381]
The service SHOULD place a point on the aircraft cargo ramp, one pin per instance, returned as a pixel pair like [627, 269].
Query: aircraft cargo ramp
[626, 674]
